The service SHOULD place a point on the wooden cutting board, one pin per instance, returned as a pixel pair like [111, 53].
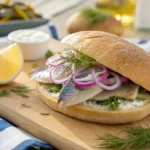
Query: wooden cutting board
[63, 132]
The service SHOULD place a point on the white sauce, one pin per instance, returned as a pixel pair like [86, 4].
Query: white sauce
[53, 95]
[29, 36]
[123, 106]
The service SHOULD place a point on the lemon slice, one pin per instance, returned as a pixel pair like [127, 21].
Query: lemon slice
[11, 62]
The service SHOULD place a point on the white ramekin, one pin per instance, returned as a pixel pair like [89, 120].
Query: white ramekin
[32, 50]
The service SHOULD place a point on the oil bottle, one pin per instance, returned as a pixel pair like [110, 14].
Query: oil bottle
[122, 10]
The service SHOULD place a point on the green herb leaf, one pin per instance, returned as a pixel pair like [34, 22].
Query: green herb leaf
[55, 88]
[111, 142]
[25, 106]
[137, 138]
[21, 90]
[48, 54]
[4, 93]
[44, 114]
[78, 59]
[93, 15]
[34, 65]
[113, 102]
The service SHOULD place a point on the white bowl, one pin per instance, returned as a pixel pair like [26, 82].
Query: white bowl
[33, 43]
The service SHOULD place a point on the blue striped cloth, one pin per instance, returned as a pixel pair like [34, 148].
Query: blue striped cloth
[143, 43]
[14, 138]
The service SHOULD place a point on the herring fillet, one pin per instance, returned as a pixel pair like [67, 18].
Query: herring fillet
[127, 91]
[71, 94]
[41, 75]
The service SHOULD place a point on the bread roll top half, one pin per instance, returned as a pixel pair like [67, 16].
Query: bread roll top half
[115, 53]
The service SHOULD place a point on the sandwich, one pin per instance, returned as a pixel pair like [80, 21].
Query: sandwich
[99, 78]
[90, 18]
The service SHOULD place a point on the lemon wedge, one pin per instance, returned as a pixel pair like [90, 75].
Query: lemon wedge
[11, 62]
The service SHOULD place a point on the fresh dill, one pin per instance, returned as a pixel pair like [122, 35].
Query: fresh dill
[93, 15]
[21, 90]
[34, 65]
[137, 138]
[48, 54]
[4, 93]
[25, 106]
[55, 88]
[45, 114]
[77, 59]
[112, 102]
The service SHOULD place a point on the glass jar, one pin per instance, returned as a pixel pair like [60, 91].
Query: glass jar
[122, 10]
[142, 15]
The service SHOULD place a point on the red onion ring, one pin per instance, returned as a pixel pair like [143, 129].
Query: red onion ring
[109, 81]
[104, 76]
[80, 83]
[54, 61]
[89, 83]
[112, 87]
[61, 81]
[124, 79]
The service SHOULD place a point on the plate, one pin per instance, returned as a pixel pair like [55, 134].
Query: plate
[7, 27]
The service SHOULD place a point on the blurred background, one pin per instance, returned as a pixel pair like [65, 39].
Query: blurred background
[133, 14]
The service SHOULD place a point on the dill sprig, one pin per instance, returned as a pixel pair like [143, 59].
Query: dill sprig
[48, 54]
[112, 102]
[34, 65]
[21, 90]
[4, 93]
[25, 106]
[137, 138]
[77, 59]
[55, 88]
[93, 15]
[45, 114]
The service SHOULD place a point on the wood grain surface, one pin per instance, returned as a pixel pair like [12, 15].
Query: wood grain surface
[63, 132]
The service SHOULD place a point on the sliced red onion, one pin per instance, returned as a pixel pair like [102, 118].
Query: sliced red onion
[111, 87]
[59, 70]
[109, 81]
[104, 76]
[124, 79]
[81, 83]
[89, 77]
[54, 61]
[86, 82]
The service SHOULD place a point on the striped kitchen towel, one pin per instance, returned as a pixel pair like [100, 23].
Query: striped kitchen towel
[14, 138]
[143, 43]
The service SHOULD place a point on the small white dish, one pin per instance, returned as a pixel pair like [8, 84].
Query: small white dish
[33, 43]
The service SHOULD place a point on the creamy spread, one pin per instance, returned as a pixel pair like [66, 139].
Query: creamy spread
[53, 95]
[123, 106]
[29, 36]
[50, 94]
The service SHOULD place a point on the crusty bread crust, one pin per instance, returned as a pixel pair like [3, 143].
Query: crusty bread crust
[78, 23]
[94, 115]
[115, 53]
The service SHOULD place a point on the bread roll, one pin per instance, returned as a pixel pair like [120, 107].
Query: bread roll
[115, 53]
[77, 22]
[119, 56]
[96, 115]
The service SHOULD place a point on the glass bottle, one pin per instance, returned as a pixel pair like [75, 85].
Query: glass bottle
[122, 10]
[142, 15]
